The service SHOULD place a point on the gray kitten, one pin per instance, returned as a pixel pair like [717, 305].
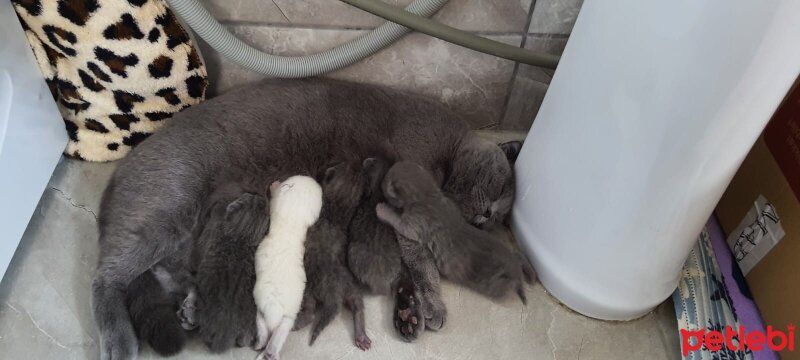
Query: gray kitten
[373, 255]
[330, 283]
[212, 282]
[374, 258]
[435, 239]
[152, 206]
[152, 302]
[225, 309]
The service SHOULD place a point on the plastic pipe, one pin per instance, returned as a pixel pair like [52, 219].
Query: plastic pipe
[455, 36]
[221, 40]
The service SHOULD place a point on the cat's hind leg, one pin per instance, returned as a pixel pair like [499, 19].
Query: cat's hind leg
[262, 332]
[123, 257]
[277, 339]
[355, 303]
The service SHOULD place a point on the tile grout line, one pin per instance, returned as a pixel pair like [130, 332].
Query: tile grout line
[501, 121]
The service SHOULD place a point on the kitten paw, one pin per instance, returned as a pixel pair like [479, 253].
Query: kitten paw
[435, 312]
[363, 342]
[435, 317]
[408, 319]
[187, 313]
[267, 355]
[383, 211]
[245, 340]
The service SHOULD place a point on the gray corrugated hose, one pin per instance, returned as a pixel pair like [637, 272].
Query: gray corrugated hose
[219, 38]
[455, 36]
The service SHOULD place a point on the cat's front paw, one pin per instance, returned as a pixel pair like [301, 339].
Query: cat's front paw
[408, 316]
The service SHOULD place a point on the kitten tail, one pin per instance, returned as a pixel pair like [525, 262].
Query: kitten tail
[521, 293]
[327, 312]
[527, 269]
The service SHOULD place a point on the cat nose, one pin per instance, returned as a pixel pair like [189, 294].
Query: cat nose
[488, 213]
[274, 186]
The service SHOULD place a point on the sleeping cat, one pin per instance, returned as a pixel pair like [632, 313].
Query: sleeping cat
[435, 239]
[330, 283]
[151, 208]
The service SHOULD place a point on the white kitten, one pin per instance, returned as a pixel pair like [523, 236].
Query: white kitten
[280, 277]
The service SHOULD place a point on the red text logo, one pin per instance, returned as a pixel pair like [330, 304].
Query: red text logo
[737, 340]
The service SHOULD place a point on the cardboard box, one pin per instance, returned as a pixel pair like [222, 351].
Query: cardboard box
[771, 173]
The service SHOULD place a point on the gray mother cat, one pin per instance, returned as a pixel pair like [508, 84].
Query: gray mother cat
[264, 131]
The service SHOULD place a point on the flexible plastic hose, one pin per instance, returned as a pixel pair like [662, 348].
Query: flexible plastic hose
[219, 38]
[455, 36]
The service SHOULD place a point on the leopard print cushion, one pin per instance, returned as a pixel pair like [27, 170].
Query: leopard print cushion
[118, 69]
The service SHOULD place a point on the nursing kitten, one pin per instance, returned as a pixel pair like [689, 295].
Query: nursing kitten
[225, 273]
[374, 259]
[433, 235]
[373, 255]
[330, 282]
[151, 207]
[280, 277]
[152, 303]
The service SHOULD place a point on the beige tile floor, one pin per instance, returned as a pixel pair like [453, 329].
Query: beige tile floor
[45, 311]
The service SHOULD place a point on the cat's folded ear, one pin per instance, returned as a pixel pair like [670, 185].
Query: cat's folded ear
[511, 149]
[245, 202]
[330, 173]
[390, 190]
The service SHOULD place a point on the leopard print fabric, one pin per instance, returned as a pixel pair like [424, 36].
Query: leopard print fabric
[117, 69]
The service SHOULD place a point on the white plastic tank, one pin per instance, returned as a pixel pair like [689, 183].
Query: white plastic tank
[651, 111]
[32, 134]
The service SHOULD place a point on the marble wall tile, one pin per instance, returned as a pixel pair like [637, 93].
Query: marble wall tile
[262, 11]
[530, 85]
[473, 84]
[554, 16]
[472, 15]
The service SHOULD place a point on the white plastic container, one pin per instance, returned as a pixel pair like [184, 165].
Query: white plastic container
[32, 134]
[653, 108]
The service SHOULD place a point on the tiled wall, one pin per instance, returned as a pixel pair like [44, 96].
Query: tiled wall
[490, 92]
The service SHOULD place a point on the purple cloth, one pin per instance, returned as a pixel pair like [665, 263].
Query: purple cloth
[746, 309]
